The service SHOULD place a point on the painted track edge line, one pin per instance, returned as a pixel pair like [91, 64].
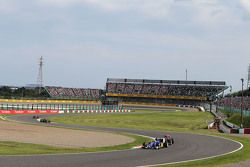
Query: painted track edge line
[199, 159]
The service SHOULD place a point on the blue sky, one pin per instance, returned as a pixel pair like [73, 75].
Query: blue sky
[85, 41]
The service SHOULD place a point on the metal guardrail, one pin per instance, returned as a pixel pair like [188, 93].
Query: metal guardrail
[58, 107]
[229, 124]
[225, 126]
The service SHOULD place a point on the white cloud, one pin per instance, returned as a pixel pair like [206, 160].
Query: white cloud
[204, 11]
[146, 7]
[214, 13]
[7, 7]
[59, 3]
[245, 4]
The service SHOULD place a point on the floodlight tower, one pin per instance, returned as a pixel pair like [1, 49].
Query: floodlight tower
[186, 74]
[40, 74]
[248, 78]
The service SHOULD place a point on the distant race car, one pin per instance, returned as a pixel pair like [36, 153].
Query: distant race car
[35, 117]
[159, 143]
[44, 120]
[169, 139]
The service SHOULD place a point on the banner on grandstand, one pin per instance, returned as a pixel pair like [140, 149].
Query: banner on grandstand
[50, 101]
[29, 111]
[156, 96]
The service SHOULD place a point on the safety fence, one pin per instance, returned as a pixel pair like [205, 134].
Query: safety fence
[235, 110]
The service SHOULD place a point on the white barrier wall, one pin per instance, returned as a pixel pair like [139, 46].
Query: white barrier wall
[92, 111]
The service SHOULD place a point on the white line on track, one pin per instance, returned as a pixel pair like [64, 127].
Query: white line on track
[3, 118]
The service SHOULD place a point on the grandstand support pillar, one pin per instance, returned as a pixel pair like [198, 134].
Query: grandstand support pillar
[248, 79]
[216, 104]
[241, 108]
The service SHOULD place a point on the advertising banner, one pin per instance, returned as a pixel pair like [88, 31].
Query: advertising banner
[29, 111]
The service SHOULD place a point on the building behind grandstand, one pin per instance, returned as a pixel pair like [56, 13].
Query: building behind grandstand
[168, 92]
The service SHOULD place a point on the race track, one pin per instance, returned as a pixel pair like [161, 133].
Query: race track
[187, 147]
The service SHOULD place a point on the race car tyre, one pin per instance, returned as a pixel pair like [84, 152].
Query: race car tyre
[165, 144]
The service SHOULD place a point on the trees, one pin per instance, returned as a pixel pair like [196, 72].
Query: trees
[21, 92]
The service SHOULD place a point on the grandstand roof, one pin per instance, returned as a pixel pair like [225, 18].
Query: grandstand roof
[165, 82]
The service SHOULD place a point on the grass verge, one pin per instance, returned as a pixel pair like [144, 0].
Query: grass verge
[236, 119]
[162, 121]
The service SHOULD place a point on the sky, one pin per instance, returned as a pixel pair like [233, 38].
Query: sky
[83, 42]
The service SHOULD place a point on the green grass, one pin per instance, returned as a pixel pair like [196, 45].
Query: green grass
[236, 119]
[15, 148]
[162, 121]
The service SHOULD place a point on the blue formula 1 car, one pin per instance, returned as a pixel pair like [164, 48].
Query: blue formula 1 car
[159, 143]
[152, 145]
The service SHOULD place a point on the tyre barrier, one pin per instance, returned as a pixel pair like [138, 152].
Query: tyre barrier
[236, 129]
[240, 131]
[244, 131]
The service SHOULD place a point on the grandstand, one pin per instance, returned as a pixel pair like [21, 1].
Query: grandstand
[234, 101]
[73, 93]
[163, 91]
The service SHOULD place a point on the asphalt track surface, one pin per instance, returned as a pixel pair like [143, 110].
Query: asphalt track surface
[187, 147]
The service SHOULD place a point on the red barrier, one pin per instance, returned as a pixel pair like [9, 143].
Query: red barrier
[234, 130]
[29, 111]
[247, 131]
